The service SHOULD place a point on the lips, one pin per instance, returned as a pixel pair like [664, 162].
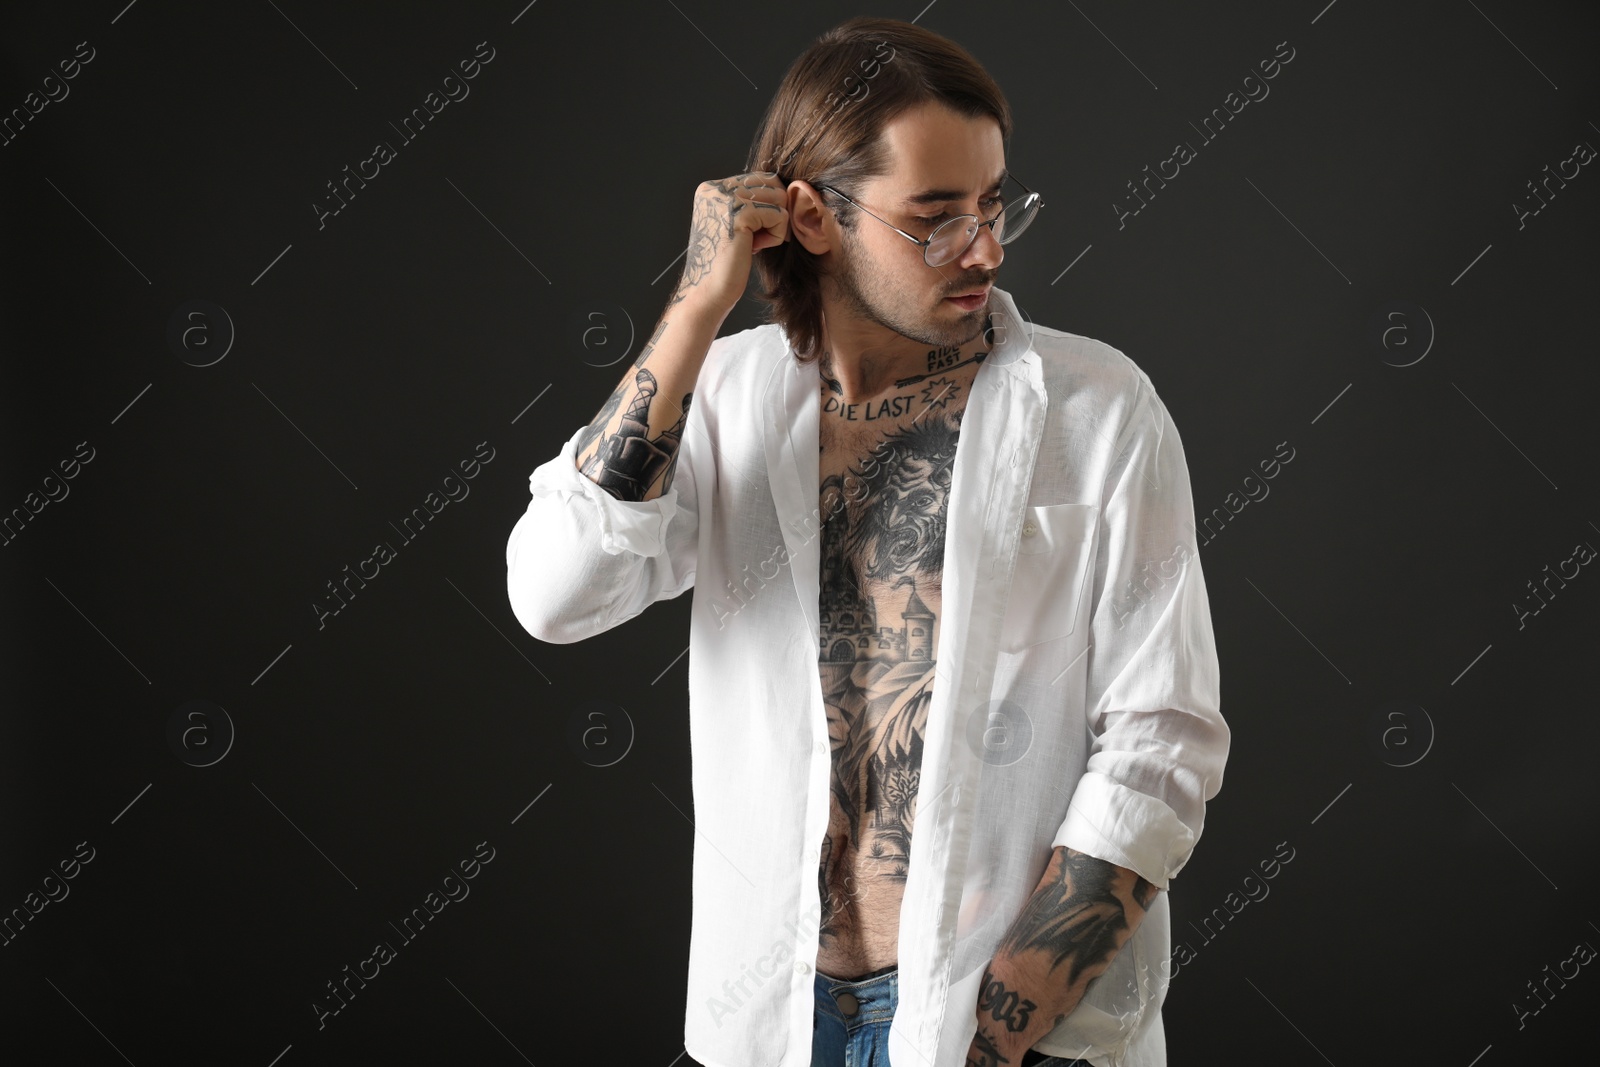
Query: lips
[975, 292]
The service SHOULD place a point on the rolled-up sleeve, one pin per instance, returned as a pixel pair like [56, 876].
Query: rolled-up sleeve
[1153, 700]
[579, 561]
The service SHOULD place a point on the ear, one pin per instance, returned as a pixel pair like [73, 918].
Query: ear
[810, 221]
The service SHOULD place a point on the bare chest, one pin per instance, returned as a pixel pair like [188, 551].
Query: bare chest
[883, 501]
[886, 469]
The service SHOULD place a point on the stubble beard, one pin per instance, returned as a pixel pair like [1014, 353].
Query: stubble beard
[862, 291]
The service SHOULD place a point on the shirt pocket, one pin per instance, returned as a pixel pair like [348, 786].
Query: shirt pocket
[1054, 556]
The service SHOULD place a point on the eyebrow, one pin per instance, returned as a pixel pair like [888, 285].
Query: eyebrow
[939, 196]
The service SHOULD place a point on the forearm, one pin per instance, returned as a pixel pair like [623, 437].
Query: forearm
[1080, 915]
[631, 447]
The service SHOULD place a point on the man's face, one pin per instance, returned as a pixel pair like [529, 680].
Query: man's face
[881, 277]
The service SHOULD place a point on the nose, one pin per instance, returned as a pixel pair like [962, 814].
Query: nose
[983, 253]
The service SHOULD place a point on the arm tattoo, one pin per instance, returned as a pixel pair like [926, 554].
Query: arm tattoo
[1004, 1005]
[713, 223]
[1078, 917]
[627, 463]
[613, 402]
[621, 483]
[984, 1051]
[698, 258]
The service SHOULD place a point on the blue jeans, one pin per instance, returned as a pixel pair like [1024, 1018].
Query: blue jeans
[851, 1020]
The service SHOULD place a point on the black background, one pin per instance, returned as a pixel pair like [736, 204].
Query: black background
[373, 353]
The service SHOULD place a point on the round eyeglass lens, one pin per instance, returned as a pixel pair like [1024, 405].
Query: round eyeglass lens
[1017, 217]
[955, 236]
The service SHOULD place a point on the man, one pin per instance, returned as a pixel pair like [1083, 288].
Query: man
[953, 684]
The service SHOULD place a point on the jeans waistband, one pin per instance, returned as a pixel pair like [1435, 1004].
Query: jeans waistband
[855, 1001]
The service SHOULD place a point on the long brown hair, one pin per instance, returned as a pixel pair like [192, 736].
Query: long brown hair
[823, 126]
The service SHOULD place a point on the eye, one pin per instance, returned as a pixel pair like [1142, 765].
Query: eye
[989, 207]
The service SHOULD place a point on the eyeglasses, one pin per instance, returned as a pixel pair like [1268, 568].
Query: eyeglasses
[951, 239]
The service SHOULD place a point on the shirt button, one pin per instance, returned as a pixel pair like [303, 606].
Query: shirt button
[1029, 529]
[802, 967]
[822, 748]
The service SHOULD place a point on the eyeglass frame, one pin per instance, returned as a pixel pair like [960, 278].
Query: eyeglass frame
[1031, 198]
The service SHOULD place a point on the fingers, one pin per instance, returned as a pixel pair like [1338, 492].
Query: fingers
[767, 217]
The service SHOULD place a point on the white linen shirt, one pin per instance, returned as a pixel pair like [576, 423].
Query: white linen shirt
[1076, 700]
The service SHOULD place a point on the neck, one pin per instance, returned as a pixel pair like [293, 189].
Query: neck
[853, 373]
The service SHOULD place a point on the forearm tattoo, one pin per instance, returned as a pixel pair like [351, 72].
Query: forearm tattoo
[1000, 1011]
[1078, 918]
[1004, 1005]
[627, 463]
[983, 1051]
